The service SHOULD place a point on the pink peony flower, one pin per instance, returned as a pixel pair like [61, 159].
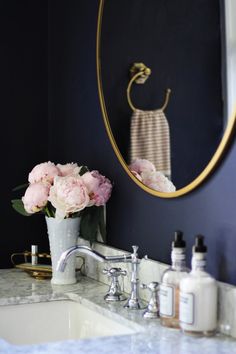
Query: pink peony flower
[141, 165]
[68, 169]
[158, 181]
[99, 187]
[36, 197]
[137, 175]
[44, 172]
[68, 195]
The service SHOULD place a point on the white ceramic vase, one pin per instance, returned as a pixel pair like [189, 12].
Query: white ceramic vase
[62, 234]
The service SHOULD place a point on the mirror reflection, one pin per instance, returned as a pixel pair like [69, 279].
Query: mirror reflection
[168, 127]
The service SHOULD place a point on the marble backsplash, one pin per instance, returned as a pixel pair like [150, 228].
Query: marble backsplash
[150, 270]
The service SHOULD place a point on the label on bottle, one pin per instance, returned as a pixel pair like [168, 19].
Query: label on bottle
[186, 308]
[198, 264]
[178, 254]
[167, 299]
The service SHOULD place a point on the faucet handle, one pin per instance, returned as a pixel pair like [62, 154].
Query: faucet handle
[135, 250]
[134, 255]
[114, 293]
[152, 310]
[114, 272]
[153, 286]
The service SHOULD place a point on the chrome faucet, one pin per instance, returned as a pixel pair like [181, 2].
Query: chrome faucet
[133, 301]
[87, 250]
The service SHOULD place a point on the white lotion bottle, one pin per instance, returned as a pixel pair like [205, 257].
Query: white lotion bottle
[169, 287]
[198, 296]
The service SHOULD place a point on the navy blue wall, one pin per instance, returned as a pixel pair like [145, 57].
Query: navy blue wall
[24, 115]
[77, 133]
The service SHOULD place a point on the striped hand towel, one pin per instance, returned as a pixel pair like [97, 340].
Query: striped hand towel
[150, 139]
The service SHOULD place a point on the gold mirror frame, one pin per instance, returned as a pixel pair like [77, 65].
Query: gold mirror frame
[201, 177]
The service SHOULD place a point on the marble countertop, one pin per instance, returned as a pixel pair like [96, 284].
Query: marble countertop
[16, 287]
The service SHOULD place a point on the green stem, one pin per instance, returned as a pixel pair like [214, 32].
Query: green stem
[47, 211]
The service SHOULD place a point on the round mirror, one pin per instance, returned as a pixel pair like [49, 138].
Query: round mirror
[166, 79]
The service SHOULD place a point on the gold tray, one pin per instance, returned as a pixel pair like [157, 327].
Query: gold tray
[38, 271]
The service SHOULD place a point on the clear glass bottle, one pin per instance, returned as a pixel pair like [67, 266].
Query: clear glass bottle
[169, 287]
[198, 296]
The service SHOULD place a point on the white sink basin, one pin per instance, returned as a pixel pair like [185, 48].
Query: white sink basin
[55, 321]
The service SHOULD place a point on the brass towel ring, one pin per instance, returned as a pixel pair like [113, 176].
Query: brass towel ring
[139, 74]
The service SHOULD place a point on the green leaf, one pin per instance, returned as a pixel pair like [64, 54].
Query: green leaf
[89, 223]
[46, 211]
[22, 186]
[75, 215]
[102, 224]
[83, 170]
[18, 205]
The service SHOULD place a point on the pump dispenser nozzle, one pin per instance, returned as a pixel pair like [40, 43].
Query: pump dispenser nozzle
[199, 246]
[178, 240]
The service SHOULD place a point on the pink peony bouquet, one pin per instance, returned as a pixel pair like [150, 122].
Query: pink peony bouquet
[66, 191]
[146, 172]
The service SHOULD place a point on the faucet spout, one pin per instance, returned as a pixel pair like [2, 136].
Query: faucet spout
[87, 250]
[81, 249]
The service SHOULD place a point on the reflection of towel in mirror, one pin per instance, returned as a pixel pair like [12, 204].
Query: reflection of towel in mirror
[150, 139]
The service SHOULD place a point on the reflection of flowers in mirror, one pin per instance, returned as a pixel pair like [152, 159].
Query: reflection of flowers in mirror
[146, 172]
[64, 191]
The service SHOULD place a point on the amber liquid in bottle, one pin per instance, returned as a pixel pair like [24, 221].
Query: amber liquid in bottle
[169, 289]
[172, 322]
